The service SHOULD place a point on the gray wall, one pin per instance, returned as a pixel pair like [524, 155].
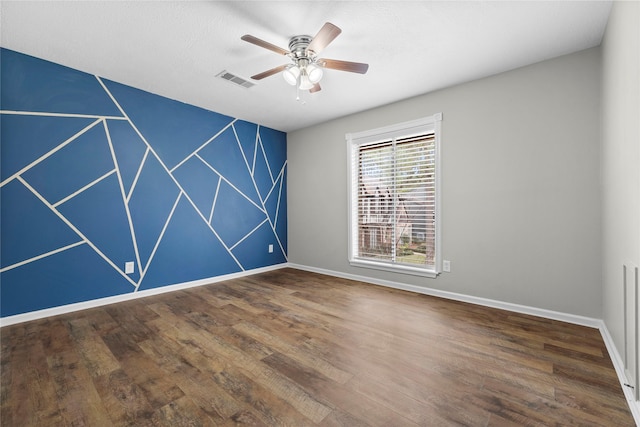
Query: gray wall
[620, 158]
[520, 186]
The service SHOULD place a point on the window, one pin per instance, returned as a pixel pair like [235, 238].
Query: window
[394, 197]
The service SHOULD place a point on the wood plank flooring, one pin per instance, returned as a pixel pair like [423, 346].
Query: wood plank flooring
[293, 348]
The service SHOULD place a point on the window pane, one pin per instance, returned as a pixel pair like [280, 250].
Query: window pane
[375, 181]
[415, 183]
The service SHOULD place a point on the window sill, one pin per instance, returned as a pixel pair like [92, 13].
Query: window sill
[403, 269]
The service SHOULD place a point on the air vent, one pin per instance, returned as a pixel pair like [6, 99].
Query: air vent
[235, 79]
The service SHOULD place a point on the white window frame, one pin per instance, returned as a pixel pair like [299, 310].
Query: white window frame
[354, 141]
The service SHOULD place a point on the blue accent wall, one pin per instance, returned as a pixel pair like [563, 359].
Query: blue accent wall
[95, 174]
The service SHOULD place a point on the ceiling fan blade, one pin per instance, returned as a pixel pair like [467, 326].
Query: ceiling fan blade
[326, 35]
[268, 73]
[316, 88]
[335, 64]
[264, 44]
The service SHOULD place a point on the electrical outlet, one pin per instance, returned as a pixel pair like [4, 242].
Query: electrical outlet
[446, 266]
[270, 249]
[129, 267]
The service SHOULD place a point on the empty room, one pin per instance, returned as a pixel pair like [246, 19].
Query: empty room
[319, 213]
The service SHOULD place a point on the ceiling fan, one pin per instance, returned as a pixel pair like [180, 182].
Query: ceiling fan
[305, 71]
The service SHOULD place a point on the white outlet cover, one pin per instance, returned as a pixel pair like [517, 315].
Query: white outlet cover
[270, 249]
[129, 267]
[446, 266]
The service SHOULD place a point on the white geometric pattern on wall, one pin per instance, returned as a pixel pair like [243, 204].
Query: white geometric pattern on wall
[181, 192]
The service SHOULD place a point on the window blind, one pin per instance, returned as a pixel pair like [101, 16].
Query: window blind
[396, 200]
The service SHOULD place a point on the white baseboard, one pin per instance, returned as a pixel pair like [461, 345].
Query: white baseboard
[517, 308]
[69, 308]
[618, 364]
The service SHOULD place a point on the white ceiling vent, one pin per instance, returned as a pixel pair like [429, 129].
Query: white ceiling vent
[224, 74]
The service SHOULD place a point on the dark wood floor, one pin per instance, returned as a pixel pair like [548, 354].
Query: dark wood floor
[295, 348]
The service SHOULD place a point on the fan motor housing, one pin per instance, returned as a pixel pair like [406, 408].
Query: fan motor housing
[298, 46]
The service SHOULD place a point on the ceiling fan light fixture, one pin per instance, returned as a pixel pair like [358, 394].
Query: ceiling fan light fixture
[291, 74]
[307, 70]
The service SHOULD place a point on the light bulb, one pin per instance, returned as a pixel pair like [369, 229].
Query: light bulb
[291, 74]
[314, 72]
[305, 83]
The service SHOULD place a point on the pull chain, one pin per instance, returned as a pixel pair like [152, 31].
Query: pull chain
[298, 92]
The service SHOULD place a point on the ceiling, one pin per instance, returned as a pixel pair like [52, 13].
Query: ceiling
[176, 48]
